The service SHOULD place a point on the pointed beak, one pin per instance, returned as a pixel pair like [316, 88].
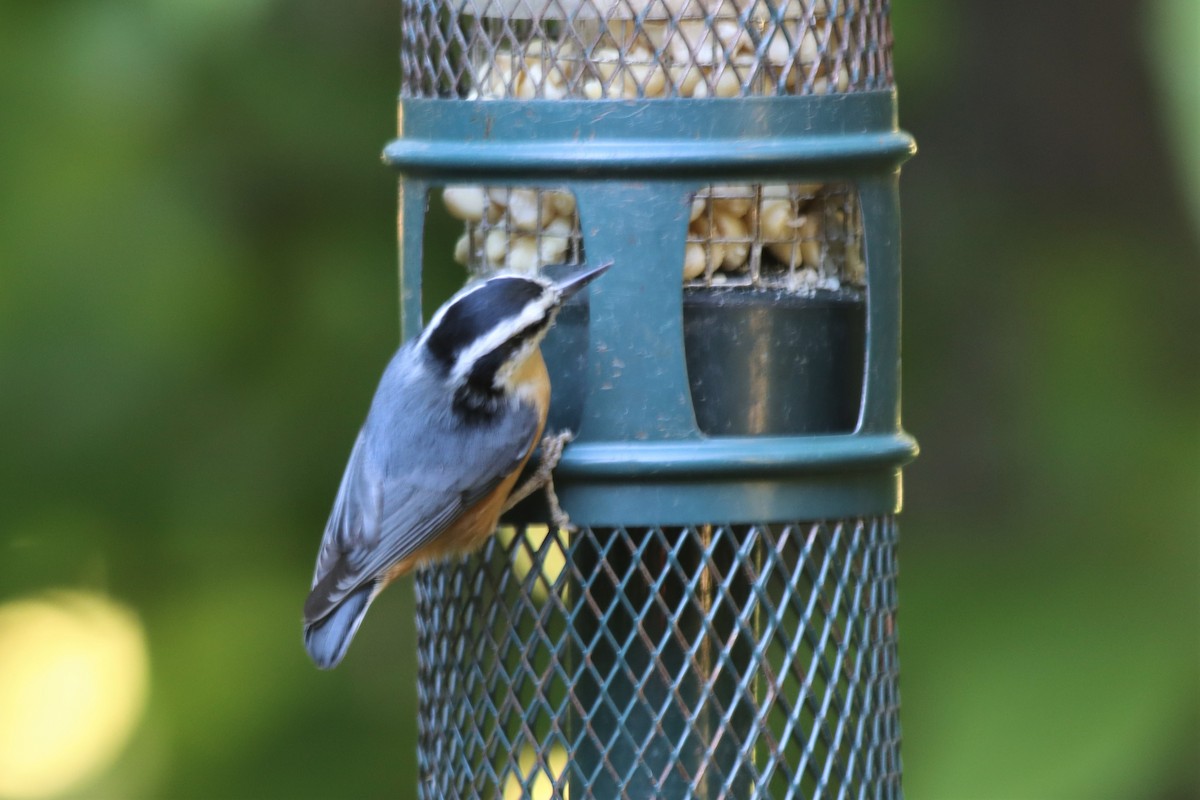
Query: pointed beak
[573, 283]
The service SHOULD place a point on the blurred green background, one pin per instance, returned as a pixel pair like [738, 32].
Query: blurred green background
[198, 292]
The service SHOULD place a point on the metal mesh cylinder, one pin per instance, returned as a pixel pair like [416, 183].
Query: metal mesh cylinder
[601, 49]
[699, 661]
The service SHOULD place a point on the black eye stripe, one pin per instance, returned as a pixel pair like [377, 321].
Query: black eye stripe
[475, 314]
[482, 377]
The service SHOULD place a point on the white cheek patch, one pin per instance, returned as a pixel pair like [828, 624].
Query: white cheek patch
[533, 312]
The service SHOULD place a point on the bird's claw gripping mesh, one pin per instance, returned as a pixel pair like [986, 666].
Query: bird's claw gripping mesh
[704, 661]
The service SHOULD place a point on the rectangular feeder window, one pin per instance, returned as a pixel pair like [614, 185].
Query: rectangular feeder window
[774, 308]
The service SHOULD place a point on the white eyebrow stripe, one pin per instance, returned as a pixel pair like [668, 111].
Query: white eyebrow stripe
[533, 311]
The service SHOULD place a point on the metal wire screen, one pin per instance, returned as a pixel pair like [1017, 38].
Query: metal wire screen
[729, 661]
[799, 237]
[602, 49]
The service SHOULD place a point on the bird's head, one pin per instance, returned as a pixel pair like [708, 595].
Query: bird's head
[483, 334]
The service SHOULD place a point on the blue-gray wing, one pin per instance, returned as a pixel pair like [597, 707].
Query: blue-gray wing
[397, 495]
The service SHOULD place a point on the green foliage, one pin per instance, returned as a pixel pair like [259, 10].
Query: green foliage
[197, 294]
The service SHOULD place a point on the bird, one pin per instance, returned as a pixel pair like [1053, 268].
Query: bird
[457, 414]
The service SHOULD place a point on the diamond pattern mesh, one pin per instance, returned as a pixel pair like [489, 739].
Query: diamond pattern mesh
[595, 49]
[704, 661]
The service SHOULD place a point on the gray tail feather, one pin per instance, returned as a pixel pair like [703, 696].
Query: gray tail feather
[327, 639]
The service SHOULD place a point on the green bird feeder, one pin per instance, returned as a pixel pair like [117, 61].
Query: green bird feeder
[720, 622]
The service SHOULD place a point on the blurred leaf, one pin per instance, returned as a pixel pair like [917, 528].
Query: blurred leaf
[198, 293]
[1174, 53]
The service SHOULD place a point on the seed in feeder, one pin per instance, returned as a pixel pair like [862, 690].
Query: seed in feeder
[702, 233]
[552, 85]
[732, 36]
[774, 218]
[495, 246]
[523, 209]
[465, 202]
[678, 49]
[779, 50]
[745, 61]
[522, 254]
[563, 203]
[551, 249]
[729, 84]
[734, 200]
[655, 33]
[699, 204]
[716, 253]
[556, 84]
[593, 90]
[736, 239]
[701, 88]
[626, 86]
[606, 61]
[686, 79]
[693, 43]
[694, 261]
[651, 77]
[554, 241]
[462, 250]
[524, 89]
[809, 51]
[495, 211]
[559, 227]
[843, 78]
[809, 228]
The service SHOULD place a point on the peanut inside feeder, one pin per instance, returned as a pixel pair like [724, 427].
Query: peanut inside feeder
[798, 237]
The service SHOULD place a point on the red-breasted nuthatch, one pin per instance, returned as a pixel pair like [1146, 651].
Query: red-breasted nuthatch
[457, 414]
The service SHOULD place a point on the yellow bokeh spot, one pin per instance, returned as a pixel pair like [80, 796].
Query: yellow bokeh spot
[540, 779]
[553, 559]
[73, 675]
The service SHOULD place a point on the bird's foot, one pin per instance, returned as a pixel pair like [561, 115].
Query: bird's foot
[552, 450]
[553, 445]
